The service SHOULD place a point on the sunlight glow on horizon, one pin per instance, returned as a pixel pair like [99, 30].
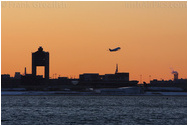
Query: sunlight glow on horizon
[78, 34]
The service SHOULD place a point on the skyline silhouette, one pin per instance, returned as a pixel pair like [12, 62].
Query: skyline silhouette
[77, 36]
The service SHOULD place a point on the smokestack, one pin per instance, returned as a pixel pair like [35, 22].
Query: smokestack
[25, 71]
[175, 75]
[116, 68]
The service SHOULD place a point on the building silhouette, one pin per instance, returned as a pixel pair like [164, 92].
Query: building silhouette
[85, 81]
[17, 75]
[40, 58]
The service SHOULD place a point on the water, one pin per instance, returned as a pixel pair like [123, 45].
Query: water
[93, 110]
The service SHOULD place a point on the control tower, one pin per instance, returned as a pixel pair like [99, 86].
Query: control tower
[40, 58]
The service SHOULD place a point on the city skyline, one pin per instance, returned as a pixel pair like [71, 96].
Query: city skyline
[78, 35]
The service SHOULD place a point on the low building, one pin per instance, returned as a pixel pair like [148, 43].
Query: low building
[89, 77]
[17, 75]
[116, 77]
[63, 78]
[106, 77]
[182, 83]
[5, 76]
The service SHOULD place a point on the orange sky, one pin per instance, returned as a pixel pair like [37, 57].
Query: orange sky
[152, 35]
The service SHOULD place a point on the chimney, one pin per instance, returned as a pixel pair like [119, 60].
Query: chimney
[25, 71]
[116, 68]
[175, 76]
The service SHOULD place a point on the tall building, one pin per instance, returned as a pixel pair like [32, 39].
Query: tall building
[40, 58]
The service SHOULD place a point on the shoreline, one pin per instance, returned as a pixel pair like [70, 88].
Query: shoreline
[74, 93]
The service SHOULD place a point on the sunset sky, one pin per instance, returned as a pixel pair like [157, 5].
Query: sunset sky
[152, 37]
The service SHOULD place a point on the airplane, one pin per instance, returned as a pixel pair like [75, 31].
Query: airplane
[113, 50]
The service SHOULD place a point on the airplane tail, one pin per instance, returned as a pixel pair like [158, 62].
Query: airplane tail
[110, 49]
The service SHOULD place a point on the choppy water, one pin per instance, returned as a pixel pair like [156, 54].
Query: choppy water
[92, 110]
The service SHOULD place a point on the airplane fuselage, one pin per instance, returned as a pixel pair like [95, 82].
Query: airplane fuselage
[113, 50]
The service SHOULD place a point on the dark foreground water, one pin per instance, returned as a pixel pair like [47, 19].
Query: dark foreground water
[94, 110]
